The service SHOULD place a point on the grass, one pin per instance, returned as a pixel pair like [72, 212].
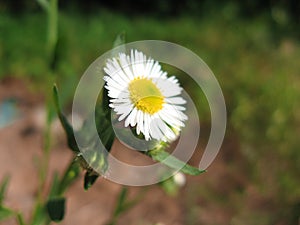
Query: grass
[258, 71]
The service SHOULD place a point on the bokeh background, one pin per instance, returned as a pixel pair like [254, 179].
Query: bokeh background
[251, 46]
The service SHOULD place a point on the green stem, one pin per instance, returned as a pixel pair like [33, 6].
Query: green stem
[52, 36]
[44, 4]
[119, 206]
[51, 8]
[44, 160]
[43, 166]
[20, 218]
[69, 176]
[123, 205]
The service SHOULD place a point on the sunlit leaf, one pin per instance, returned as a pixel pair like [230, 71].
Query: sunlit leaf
[164, 157]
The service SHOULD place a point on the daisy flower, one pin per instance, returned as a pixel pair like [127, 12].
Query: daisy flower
[144, 96]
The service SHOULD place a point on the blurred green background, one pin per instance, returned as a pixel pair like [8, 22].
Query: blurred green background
[251, 46]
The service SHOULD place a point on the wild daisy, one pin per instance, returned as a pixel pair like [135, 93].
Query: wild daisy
[144, 96]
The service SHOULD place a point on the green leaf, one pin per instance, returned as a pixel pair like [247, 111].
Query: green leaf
[20, 219]
[103, 121]
[169, 186]
[66, 125]
[89, 179]
[55, 186]
[5, 213]
[39, 214]
[69, 177]
[93, 153]
[56, 208]
[95, 147]
[117, 48]
[3, 188]
[44, 4]
[172, 162]
[121, 206]
[94, 150]
[121, 202]
[120, 39]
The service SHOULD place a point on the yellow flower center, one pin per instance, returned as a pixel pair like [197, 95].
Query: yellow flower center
[145, 95]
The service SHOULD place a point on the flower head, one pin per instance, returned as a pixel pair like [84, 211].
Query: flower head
[142, 94]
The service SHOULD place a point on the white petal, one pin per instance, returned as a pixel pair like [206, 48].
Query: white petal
[157, 133]
[147, 126]
[133, 119]
[141, 121]
[138, 119]
[176, 114]
[170, 119]
[130, 116]
[124, 111]
[175, 100]
[165, 130]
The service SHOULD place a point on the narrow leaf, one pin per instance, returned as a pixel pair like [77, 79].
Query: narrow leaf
[55, 186]
[3, 188]
[40, 214]
[20, 219]
[120, 206]
[66, 125]
[103, 122]
[172, 162]
[120, 39]
[121, 202]
[118, 45]
[69, 177]
[5, 213]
